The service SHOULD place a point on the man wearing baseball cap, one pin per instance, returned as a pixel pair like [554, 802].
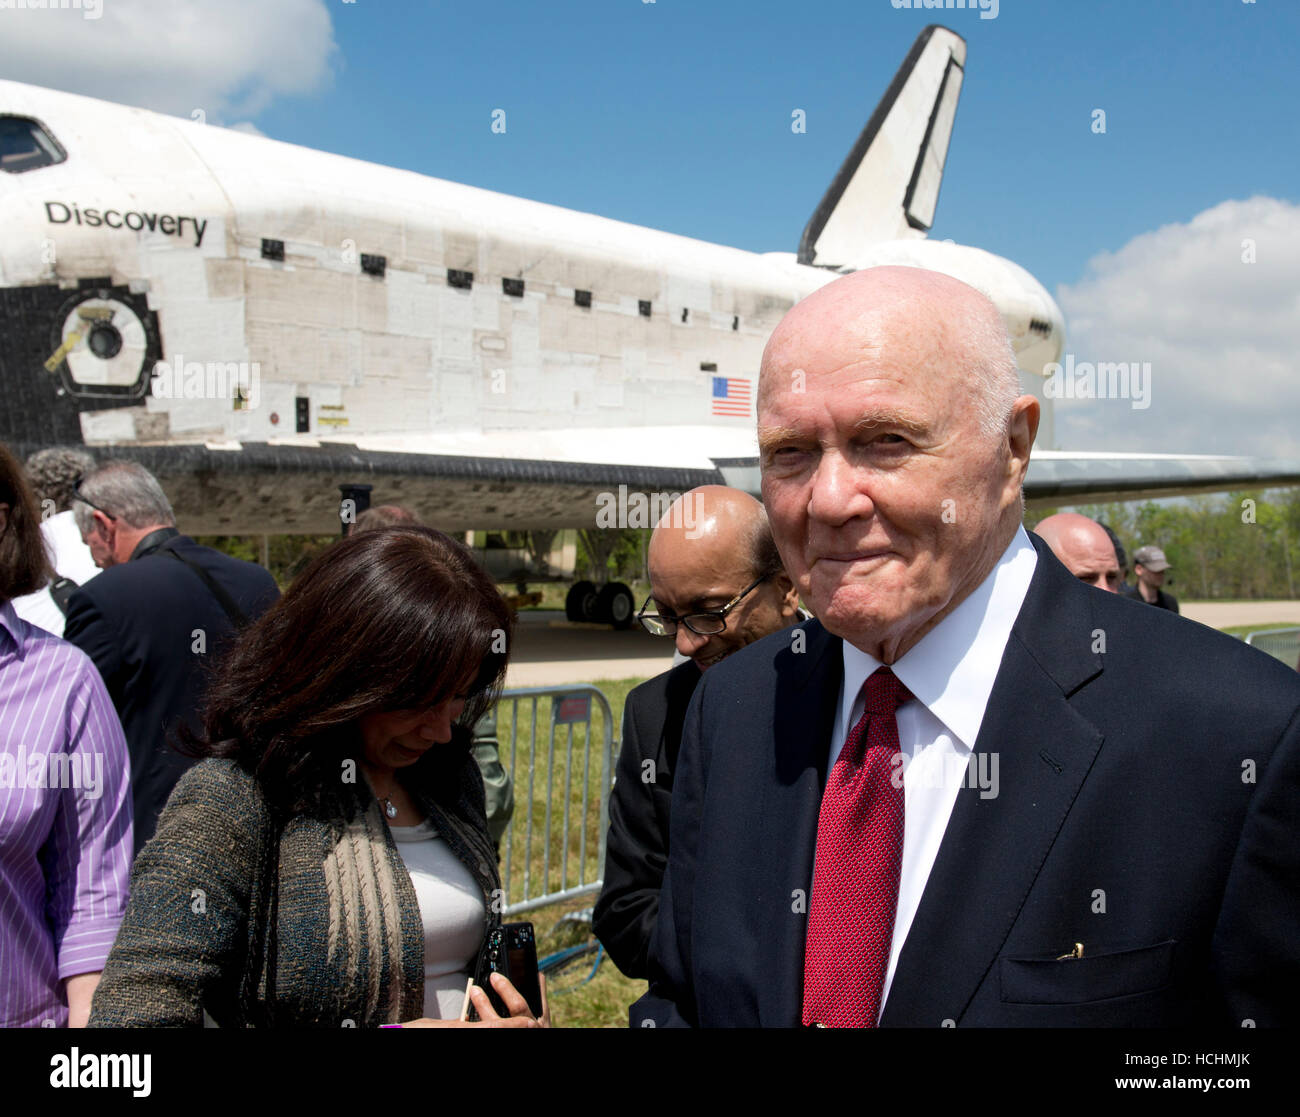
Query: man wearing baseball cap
[1150, 564]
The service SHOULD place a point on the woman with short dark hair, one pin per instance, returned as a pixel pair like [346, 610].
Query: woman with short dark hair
[328, 863]
[65, 802]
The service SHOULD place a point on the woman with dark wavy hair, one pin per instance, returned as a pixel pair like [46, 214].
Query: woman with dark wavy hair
[328, 863]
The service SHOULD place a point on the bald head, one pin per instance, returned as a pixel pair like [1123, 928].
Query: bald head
[711, 523]
[1083, 547]
[710, 545]
[947, 319]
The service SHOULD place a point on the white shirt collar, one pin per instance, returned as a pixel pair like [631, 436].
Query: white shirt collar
[952, 669]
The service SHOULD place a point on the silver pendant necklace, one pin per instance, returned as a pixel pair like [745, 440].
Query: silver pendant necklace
[389, 809]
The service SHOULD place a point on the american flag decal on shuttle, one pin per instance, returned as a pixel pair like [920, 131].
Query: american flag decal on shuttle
[730, 396]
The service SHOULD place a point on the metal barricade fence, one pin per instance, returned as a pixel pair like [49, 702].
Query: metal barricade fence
[533, 724]
[1281, 643]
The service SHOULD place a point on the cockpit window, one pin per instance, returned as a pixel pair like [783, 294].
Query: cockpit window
[26, 146]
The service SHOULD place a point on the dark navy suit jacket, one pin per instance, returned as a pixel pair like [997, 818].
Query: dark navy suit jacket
[138, 622]
[636, 850]
[1148, 807]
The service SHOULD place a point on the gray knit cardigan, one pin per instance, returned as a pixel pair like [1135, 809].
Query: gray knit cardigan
[346, 946]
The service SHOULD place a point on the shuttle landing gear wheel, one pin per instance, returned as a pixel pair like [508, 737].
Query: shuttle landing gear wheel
[615, 605]
[580, 604]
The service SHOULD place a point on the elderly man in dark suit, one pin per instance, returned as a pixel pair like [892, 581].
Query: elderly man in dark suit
[158, 615]
[974, 791]
[717, 584]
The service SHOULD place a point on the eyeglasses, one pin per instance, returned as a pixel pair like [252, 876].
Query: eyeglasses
[708, 623]
[77, 494]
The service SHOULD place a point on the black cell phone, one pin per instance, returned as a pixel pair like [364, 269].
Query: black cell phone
[511, 949]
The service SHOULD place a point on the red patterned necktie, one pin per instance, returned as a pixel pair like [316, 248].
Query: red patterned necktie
[859, 858]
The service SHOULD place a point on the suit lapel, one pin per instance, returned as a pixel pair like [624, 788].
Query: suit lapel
[808, 687]
[994, 846]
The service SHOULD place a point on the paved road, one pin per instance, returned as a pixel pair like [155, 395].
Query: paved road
[549, 651]
[1226, 614]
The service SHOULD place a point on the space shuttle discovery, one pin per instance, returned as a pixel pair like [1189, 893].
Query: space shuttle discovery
[257, 322]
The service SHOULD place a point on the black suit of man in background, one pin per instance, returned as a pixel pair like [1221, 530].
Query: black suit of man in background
[637, 852]
[153, 627]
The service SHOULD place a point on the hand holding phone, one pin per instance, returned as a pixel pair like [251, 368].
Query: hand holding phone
[511, 951]
[518, 1012]
[507, 991]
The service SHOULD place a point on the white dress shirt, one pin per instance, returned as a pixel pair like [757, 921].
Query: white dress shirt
[950, 672]
[70, 558]
[452, 911]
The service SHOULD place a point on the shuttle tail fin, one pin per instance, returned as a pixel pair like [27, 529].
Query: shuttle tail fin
[888, 186]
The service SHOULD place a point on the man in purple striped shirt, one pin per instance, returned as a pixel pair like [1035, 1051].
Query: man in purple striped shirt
[65, 802]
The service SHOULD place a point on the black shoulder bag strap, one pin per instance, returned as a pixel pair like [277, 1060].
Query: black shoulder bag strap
[233, 611]
[61, 589]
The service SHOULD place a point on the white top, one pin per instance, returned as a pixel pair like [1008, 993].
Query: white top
[951, 673]
[70, 558]
[453, 914]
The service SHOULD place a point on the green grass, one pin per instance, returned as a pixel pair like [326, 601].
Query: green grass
[1246, 629]
[601, 1002]
[561, 774]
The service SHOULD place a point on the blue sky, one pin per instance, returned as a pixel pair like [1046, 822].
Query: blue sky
[677, 115]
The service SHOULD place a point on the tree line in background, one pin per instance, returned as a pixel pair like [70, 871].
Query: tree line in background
[286, 556]
[1221, 547]
[1235, 546]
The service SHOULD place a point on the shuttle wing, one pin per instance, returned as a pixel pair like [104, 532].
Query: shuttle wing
[515, 480]
[565, 479]
[1057, 477]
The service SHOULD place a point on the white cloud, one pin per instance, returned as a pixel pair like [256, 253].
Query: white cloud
[229, 59]
[247, 127]
[1222, 335]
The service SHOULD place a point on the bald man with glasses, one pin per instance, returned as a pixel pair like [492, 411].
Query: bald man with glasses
[717, 585]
